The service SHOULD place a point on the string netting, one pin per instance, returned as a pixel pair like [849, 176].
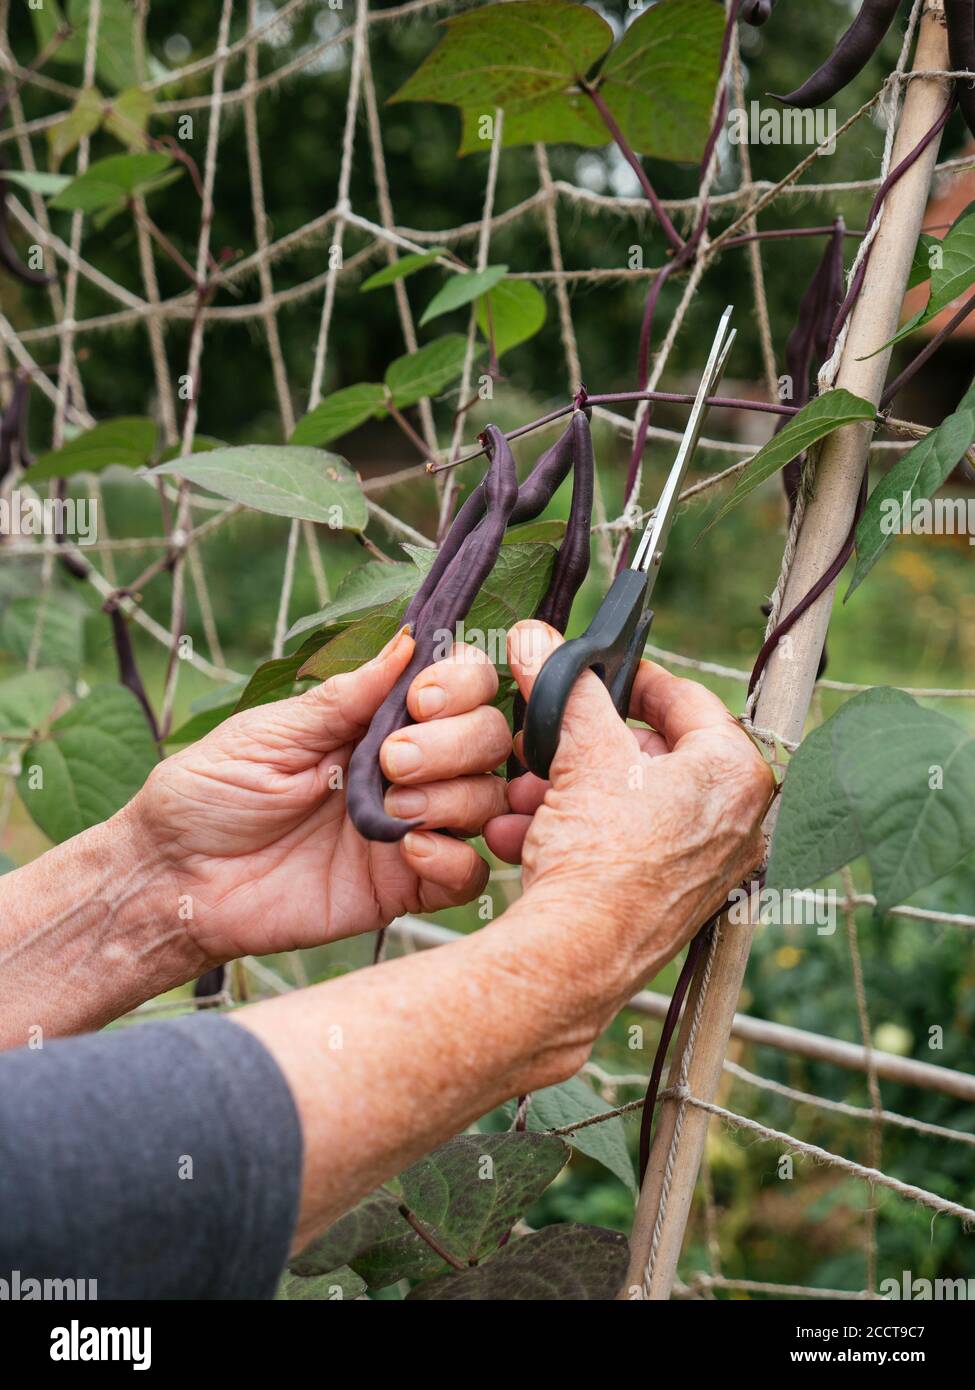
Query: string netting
[241, 296]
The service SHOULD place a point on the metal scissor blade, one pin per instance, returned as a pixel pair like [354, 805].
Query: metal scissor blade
[651, 548]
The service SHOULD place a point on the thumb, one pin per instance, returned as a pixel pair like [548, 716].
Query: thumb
[594, 738]
[341, 708]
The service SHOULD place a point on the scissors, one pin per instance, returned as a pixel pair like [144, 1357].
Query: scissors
[613, 643]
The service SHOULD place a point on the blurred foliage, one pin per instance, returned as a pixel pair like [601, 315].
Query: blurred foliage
[912, 624]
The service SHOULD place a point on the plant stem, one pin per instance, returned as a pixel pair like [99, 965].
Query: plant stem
[620, 140]
[430, 1238]
[787, 233]
[411, 433]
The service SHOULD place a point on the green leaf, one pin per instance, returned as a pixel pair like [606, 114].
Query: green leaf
[461, 289]
[83, 118]
[334, 1287]
[339, 413]
[127, 116]
[558, 1264]
[94, 760]
[129, 441]
[550, 531]
[517, 313]
[815, 833]
[372, 1235]
[556, 1106]
[207, 713]
[37, 181]
[62, 631]
[470, 1192]
[950, 280]
[503, 55]
[399, 269]
[915, 476]
[475, 1187]
[108, 182]
[285, 480]
[202, 444]
[27, 699]
[921, 266]
[659, 80]
[363, 588]
[883, 778]
[814, 421]
[427, 371]
[115, 54]
[913, 833]
[273, 680]
[355, 644]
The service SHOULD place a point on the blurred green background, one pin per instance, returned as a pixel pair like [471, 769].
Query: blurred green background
[913, 624]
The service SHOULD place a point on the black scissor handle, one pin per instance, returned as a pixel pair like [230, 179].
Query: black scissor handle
[611, 646]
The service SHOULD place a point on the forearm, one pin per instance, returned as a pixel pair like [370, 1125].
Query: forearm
[385, 1064]
[88, 931]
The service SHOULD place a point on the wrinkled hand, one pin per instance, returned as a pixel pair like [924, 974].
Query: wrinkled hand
[637, 819]
[252, 822]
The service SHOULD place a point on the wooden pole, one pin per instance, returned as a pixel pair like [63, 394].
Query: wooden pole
[783, 704]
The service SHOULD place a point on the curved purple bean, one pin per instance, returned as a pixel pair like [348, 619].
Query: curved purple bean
[960, 17]
[756, 12]
[450, 602]
[850, 56]
[572, 561]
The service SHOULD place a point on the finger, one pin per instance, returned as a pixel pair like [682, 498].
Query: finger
[450, 864]
[526, 794]
[593, 737]
[505, 836]
[332, 714]
[473, 742]
[464, 803]
[459, 683]
[676, 707]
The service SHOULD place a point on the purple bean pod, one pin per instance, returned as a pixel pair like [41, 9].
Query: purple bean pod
[572, 561]
[448, 605]
[850, 56]
[756, 12]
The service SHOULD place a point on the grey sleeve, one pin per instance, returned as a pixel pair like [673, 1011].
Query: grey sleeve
[162, 1160]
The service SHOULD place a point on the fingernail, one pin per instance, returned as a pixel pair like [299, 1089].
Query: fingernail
[420, 845]
[530, 643]
[405, 631]
[402, 757]
[406, 802]
[431, 700]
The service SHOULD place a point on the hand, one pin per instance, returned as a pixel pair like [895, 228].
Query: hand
[667, 817]
[252, 819]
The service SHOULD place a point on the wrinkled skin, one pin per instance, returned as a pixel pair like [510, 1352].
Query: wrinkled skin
[247, 823]
[637, 818]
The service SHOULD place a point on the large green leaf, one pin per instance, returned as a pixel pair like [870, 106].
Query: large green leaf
[115, 51]
[334, 1287]
[883, 778]
[511, 55]
[574, 1100]
[399, 269]
[27, 699]
[284, 479]
[815, 833]
[914, 477]
[355, 644]
[274, 679]
[109, 182]
[363, 588]
[558, 1264]
[659, 80]
[813, 422]
[339, 413]
[94, 759]
[517, 312]
[427, 371]
[475, 1187]
[129, 441]
[952, 273]
[469, 1192]
[37, 181]
[463, 289]
[62, 629]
